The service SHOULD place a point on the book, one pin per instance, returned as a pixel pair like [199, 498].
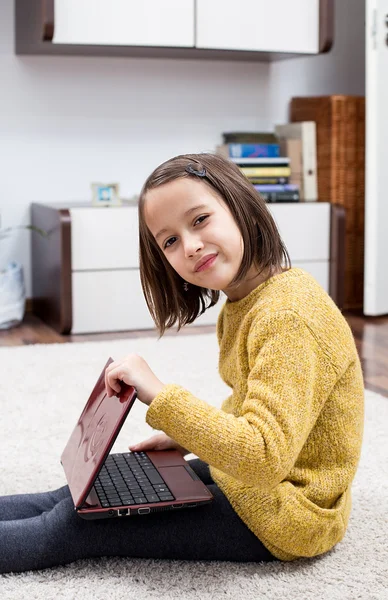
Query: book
[305, 131]
[284, 196]
[266, 171]
[275, 161]
[293, 150]
[249, 137]
[286, 187]
[240, 150]
[270, 180]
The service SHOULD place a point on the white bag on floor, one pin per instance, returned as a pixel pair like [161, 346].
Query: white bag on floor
[12, 295]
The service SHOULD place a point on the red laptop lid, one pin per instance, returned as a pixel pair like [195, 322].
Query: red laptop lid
[94, 436]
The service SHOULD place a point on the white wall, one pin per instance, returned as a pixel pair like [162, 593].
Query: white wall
[341, 71]
[68, 121]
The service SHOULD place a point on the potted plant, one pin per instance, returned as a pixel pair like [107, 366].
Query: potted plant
[12, 288]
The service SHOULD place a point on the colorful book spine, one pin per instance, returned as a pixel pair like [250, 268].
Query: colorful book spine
[253, 150]
[262, 161]
[266, 171]
[288, 187]
[280, 196]
[269, 180]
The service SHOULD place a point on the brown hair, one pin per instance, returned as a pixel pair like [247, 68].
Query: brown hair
[166, 299]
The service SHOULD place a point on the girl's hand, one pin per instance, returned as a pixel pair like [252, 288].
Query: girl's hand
[133, 370]
[161, 441]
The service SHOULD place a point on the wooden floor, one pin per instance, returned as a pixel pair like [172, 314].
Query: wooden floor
[370, 333]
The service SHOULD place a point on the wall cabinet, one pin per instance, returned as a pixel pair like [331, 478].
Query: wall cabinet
[215, 29]
[124, 22]
[259, 25]
[85, 274]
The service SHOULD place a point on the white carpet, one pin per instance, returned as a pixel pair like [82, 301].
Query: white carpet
[42, 391]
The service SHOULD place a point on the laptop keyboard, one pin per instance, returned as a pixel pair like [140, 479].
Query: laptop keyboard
[130, 478]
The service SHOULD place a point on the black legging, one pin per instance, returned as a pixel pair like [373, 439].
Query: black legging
[43, 530]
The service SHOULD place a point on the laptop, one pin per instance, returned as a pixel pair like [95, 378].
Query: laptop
[105, 485]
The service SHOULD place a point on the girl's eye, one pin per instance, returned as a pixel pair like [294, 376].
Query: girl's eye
[167, 244]
[171, 240]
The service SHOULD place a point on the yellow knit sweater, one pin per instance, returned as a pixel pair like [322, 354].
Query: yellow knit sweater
[285, 445]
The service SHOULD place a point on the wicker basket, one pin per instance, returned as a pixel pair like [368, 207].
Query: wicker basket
[341, 173]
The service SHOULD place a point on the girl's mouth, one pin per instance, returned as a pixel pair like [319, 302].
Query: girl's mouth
[207, 264]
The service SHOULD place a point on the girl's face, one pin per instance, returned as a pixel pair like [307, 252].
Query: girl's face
[197, 234]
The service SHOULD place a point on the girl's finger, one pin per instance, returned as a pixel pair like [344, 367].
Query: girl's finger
[112, 380]
[119, 375]
[110, 391]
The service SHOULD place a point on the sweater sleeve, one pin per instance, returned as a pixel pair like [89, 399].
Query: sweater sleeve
[289, 378]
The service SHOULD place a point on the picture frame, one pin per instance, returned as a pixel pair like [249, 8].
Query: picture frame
[106, 194]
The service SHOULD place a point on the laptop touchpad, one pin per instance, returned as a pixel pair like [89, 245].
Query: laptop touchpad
[181, 484]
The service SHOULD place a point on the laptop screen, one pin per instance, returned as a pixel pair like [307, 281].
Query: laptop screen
[94, 436]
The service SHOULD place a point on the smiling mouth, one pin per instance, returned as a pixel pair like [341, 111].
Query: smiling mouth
[207, 264]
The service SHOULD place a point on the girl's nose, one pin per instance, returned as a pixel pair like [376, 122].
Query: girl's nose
[191, 245]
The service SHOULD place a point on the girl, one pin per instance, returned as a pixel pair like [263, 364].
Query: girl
[281, 454]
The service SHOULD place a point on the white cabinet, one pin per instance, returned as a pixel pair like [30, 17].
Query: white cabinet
[214, 29]
[104, 238]
[105, 280]
[86, 273]
[305, 230]
[106, 288]
[256, 25]
[108, 300]
[275, 26]
[124, 22]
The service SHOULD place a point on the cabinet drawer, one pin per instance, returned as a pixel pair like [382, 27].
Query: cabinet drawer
[114, 301]
[305, 229]
[104, 238]
[108, 301]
